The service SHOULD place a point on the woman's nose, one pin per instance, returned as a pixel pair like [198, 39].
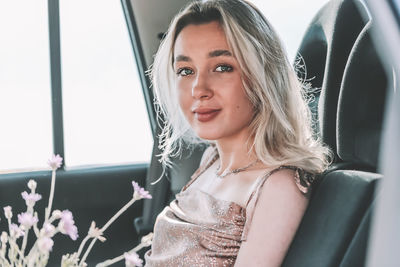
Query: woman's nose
[201, 87]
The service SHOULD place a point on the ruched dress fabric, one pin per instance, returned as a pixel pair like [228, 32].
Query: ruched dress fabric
[197, 229]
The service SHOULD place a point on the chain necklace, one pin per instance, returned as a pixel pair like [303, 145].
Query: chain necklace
[234, 171]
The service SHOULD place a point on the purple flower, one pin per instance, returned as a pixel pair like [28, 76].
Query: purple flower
[30, 199]
[132, 260]
[45, 244]
[15, 231]
[67, 225]
[55, 162]
[139, 192]
[27, 219]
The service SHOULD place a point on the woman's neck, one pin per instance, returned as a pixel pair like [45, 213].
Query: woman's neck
[235, 152]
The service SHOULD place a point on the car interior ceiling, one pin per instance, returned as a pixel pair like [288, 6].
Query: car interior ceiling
[340, 59]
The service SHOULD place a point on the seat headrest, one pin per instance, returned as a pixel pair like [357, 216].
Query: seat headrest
[325, 49]
[361, 104]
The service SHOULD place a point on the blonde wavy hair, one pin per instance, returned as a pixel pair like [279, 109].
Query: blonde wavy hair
[281, 125]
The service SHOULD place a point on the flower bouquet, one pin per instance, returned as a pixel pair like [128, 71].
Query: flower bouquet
[14, 250]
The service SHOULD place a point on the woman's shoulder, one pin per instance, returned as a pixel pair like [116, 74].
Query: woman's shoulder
[289, 175]
[280, 185]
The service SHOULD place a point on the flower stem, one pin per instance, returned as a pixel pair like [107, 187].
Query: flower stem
[33, 248]
[122, 210]
[35, 228]
[51, 196]
[4, 261]
[121, 257]
[15, 248]
[81, 246]
[87, 252]
[24, 242]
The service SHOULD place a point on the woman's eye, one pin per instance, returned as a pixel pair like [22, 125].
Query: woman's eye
[224, 68]
[184, 72]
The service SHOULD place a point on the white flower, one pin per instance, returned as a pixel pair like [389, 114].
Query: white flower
[16, 231]
[32, 185]
[67, 225]
[8, 212]
[48, 230]
[27, 220]
[55, 162]
[147, 240]
[4, 237]
[139, 192]
[95, 232]
[132, 260]
[31, 199]
[69, 260]
[57, 214]
[45, 244]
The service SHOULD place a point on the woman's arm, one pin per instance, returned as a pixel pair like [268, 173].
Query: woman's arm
[276, 217]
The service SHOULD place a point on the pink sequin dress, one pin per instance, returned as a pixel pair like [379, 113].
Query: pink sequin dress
[197, 229]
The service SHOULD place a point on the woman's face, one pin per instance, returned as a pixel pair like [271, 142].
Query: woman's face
[209, 83]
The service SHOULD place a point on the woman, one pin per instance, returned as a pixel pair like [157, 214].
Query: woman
[221, 77]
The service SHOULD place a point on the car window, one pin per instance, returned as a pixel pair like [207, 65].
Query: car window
[25, 103]
[105, 120]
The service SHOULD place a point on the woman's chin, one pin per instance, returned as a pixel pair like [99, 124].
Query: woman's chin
[208, 135]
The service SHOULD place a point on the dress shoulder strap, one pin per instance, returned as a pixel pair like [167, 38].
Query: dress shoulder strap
[301, 183]
[262, 180]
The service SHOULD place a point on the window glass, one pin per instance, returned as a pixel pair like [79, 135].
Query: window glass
[25, 102]
[290, 19]
[105, 118]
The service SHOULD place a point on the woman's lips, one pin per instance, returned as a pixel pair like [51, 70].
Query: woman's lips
[205, 115]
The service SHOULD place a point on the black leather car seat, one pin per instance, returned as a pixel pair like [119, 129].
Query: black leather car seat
[324, 50]
[334, 230]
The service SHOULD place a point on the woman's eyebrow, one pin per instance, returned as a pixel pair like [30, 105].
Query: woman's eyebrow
[182, 58]
[215, 53]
